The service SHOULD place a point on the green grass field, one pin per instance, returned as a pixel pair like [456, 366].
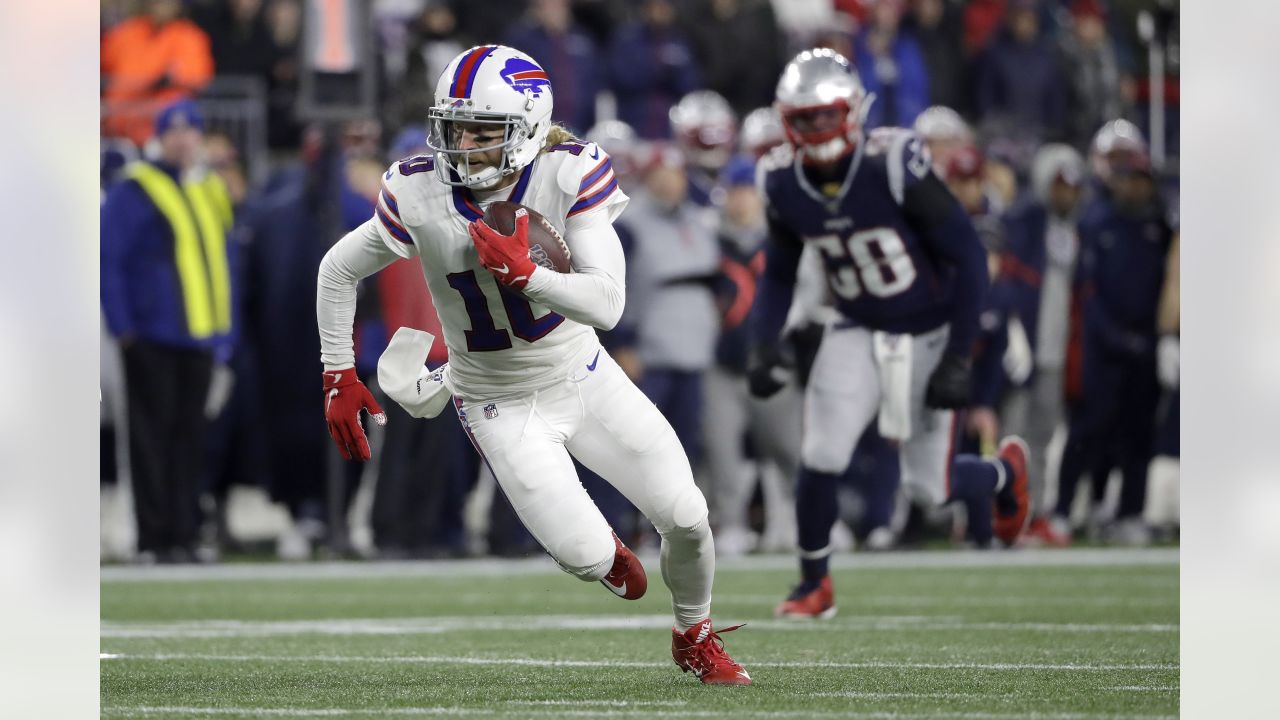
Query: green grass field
[1069, 635]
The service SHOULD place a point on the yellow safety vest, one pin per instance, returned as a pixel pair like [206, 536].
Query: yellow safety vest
[200, 216]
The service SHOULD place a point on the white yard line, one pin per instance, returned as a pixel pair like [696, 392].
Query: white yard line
[468, 624]
[133, 711]
[544, 566]
[539, 662]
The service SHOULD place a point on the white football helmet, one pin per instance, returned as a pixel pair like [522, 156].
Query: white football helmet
[762, 131]
[940, 122]
[620, 141]
[705, 127]
[945, 133]
[823, 105]
[1115, 140]
[489, 85]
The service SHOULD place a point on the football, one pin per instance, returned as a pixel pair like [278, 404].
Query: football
[546, 247]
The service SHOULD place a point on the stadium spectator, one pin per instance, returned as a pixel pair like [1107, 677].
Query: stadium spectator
[891, 66]
[166, 293]
[673, 262]
[433, 42]
[651, 66]
[569, 56]
[481, 23]
[239, 36]
[705, 131]
[1019, 84]
[1124, 244]
[745, 70]
[732, 417]
[1039, 265]
[284, 17]
[148, 61]
[935, 26]
[1093, 72]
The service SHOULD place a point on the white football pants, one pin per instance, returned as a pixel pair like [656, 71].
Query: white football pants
[603, 419]
[860, 375]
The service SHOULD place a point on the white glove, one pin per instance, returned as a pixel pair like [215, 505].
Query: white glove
[1168, 364]
[221, 383]
[404, 377]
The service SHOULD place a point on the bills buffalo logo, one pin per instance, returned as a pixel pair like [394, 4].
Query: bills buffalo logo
[523, 75]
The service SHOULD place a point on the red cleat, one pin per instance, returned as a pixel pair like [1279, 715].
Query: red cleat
[1054, 532]
[817, 603]
[626, 578]
[701, 651]
[1008, 522]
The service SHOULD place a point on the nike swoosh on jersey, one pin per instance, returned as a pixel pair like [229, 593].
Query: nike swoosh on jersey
[595, 154]
[501, 270]
[592, 366]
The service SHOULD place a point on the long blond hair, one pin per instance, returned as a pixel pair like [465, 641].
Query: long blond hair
[557, 135]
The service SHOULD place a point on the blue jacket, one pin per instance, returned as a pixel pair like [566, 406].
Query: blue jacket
[1120, 277]
[899, 104]
[141, 292]
[1023, 83]
[649, 72]
[571, 64]
[1023, 262]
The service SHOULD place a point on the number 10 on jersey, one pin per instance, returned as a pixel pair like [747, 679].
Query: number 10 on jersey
[875, 260]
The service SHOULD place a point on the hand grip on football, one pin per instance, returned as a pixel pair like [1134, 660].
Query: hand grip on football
[509, 228]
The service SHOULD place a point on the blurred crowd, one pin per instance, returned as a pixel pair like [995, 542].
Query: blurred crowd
[1038, 114]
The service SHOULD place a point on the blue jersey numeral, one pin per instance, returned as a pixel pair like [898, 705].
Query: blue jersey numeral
[417, 164]
[485, 335]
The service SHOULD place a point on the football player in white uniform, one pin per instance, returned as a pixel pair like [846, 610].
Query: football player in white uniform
[529, 379]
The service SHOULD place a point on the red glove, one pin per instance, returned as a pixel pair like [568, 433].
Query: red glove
[506, 256]
[344, 397]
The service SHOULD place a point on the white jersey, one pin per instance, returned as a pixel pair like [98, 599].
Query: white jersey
[500, 343]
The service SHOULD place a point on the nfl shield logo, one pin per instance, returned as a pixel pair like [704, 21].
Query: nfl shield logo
[490, 411]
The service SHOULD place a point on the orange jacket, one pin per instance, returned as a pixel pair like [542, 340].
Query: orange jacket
[143, 62]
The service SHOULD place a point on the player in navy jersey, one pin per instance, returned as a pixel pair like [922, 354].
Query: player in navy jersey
[907, 273]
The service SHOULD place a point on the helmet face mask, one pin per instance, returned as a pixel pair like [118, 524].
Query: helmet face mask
[474, 165]
[822, 104]
[491, 116]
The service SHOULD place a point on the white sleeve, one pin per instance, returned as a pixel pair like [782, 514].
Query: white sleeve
[359, 254]
[595, 292]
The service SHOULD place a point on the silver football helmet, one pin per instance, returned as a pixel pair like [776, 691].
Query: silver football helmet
[705, 127]
[823, 105]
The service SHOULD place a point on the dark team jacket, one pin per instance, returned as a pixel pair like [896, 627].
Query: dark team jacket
[900, 253]
[1120, 276]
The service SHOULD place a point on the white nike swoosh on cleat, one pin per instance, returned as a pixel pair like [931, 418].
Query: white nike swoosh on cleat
[744, 674]
[619, 591]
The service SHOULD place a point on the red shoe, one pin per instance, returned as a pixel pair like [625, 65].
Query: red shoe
[817, 603]
[626, 578]
[701, 651]
[1009, 523]
[1054, 532]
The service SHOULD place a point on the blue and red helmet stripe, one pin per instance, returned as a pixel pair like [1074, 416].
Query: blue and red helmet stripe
[465, 75]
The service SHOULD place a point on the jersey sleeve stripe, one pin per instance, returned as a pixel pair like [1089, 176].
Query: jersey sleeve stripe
[594, 176]
[390, 201]
[395, 229]
[589, 202]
